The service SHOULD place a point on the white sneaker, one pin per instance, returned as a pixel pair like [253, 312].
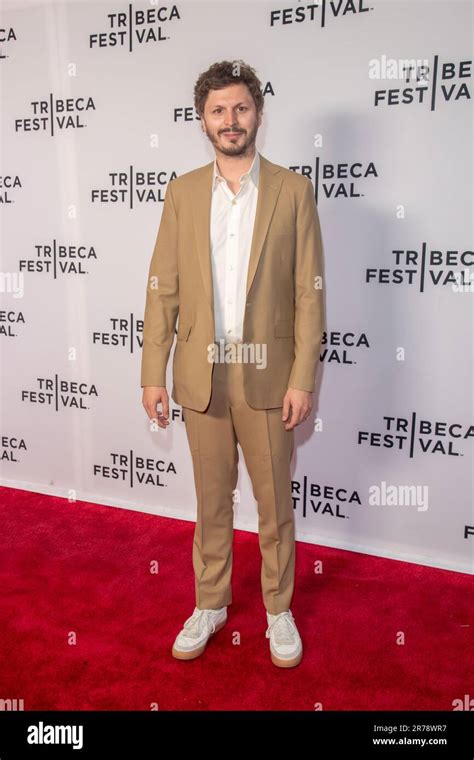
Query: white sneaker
[191, 641]
[286, 647]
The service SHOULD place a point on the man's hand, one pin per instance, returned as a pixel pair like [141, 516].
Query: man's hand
[300, 403]
[152, 396]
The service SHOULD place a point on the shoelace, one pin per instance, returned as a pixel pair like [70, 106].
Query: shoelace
[193, 624]
[283, 628]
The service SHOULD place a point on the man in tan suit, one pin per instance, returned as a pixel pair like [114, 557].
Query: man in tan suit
[238, 259]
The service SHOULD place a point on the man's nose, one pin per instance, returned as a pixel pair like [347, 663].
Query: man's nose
[230, 120]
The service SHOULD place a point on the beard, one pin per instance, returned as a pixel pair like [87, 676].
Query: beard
[240, 147]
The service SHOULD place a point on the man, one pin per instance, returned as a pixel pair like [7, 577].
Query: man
[238, 258]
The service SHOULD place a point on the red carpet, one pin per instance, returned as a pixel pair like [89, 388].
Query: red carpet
[83, 570]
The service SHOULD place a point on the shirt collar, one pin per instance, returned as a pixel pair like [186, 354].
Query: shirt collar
[252, 173]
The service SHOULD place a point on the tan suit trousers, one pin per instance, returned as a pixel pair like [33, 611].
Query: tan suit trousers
[267, 448]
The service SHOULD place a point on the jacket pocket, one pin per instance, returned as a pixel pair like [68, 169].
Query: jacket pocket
[183, 331]
[284, 328]
[280, 233]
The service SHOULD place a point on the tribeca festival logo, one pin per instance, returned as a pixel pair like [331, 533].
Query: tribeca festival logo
[414, 435]
[134, 469]
[317, 499]
[420, 82]
[124, 332]
[341, 348]
[134, 186]
[9, 321]
[55, 115]
[341, 180]
[8, 183]
[11, 447]
[56, 259]
[59, 394]
[424, 267]
[7, 36]
[135, 26]
[318, 12]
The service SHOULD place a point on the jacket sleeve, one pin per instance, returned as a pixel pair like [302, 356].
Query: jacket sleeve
[162, 298]
[308, 288]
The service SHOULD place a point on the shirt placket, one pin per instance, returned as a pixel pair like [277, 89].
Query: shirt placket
[232, 262]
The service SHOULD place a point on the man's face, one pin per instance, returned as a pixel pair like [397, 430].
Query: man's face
[230, 119]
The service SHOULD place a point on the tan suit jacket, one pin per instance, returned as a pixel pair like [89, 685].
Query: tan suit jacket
[284, 294]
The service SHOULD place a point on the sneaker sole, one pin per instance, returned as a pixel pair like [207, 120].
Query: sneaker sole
[286, 663]
[193, 653]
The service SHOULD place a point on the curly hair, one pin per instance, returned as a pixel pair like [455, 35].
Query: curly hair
[223, 74]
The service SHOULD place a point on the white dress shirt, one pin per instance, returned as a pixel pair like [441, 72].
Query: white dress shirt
[232, 221]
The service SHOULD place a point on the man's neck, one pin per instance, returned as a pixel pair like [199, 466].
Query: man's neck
[232, 167]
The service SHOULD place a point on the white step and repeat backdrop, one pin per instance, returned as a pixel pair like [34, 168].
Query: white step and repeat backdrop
[370, 99]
